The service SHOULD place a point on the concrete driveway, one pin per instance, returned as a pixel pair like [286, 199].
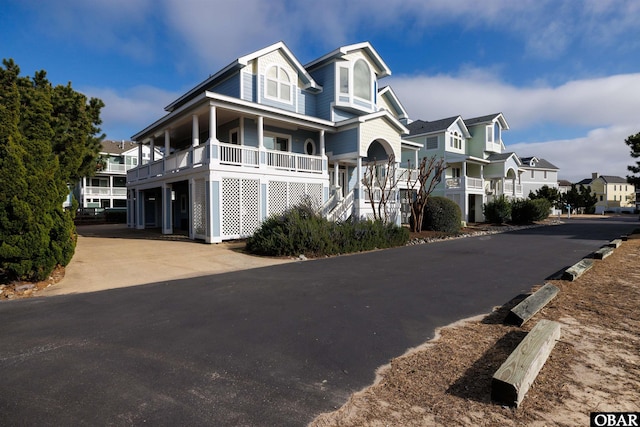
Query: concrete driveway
[266, 346]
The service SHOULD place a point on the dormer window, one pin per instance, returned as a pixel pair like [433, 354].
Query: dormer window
[455, 141]
[278, 84]
[355, 85]
[362, 80]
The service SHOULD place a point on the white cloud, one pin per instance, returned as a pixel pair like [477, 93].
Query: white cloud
[602, 150]
[126, 112]
[607, 106]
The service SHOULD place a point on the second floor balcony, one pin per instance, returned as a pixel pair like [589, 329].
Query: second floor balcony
[225, 156]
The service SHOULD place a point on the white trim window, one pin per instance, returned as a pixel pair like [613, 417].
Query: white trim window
[355, 84]
[277, 142]
[431, 143]
[278, 84]
[362, 81]
[490, 133]
[455, 141]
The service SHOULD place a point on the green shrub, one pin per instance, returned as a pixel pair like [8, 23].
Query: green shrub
[442, 214]
[498, 211]
[527, 211]
[300, 230]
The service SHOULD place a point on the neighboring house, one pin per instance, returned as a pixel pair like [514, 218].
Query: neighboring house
[108, 187]
[536, 174]
[478, 168]
[263, 134]
[564, 186]
[613, 193]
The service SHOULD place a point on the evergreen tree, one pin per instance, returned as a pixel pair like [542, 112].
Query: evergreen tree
[545, 192]
[46, 136]
[633, 141]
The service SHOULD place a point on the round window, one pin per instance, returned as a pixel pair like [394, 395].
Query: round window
[310, 147]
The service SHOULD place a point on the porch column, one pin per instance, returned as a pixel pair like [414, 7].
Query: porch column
[140, 210]
[336, 180]
[416, 159]
[213, 125]
[192, 187]
[140, 153]
[167, 212]
[322, 149]
[83, 192]
[502, 188]
[167, 143]
[152, 146]
[195, 131]
[260, 123]
[261, 150]
[358, 189]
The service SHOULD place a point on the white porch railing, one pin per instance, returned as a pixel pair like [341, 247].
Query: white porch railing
[509, 188]
[330, 204]
[343, 208]
[227, 154]
[403, 173]
[294, 162]
[231, 154]
[468, 183]
[105, 191]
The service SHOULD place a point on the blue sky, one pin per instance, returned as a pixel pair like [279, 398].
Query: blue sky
[566, 74]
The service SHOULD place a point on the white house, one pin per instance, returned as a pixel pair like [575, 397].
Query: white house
[108, 187]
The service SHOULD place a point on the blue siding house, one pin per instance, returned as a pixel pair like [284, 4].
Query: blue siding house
[261, 135]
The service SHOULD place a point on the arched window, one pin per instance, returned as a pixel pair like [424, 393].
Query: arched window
[278, 84]
[310, 147]
[455, 141]
[362, 80]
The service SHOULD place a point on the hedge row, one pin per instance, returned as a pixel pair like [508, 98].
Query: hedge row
[300, 231]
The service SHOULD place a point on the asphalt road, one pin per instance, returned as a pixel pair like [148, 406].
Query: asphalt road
[271, 346]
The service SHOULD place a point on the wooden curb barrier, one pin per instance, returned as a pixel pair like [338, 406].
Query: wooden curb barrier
[513, 379]
[577, 269]
[602, 253]
[615, 243]
[524, 311]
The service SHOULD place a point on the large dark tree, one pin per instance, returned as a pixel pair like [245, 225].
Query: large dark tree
[48, 136]
[549, 193]
[633, 142]
[579, 198]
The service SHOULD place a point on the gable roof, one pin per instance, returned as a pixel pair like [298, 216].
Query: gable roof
[564, 183]
[610, 179]
[488, 119]
[586, 181]
[500, 157]
[419, 127]
[241, 62]
[391, 97]
[382, 69]
[538, 163]
[117, 147]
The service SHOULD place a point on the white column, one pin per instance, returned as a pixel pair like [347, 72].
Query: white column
[357, 201]
[140, 153]
[152, 147]
[213, 125]
[260, 132]
[195, 131]
[167, 143]
[322, 148]
[336, 180]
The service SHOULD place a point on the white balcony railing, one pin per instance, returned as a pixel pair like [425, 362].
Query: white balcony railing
[227, 154]
[468, 183]
[90, 191]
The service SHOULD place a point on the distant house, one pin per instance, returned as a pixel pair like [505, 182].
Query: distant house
[613, 193]
[478, 167]
[108, 187]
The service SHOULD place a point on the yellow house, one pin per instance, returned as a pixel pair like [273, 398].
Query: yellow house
[613, 192]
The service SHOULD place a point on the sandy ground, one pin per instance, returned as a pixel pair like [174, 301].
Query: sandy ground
[144, 257]
[594, 367]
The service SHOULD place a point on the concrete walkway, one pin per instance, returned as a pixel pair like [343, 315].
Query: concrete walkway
[110, 256]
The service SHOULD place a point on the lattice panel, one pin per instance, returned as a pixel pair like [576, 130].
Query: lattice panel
[199, 208]
[296, 193]
[277, 197]
[315, 192]
[230, 206]
[250, 206]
